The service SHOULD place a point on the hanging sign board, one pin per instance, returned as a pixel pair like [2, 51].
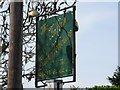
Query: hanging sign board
[54, 47]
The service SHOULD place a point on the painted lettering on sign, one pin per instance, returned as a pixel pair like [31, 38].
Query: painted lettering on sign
[54, 47]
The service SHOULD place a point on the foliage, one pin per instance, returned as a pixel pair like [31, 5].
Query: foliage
[73, 87]
[105, 88]
[115, 79]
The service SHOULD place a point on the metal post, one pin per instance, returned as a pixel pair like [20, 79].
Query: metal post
[15, 45]
[58, 85]
[54, 85]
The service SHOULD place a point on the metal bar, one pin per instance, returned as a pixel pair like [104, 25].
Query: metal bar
[36, 83]
[55, 11]
[74, 76]
[41, 86]
[69, 81]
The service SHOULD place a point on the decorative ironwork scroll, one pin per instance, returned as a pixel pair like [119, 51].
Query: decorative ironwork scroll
[47, 8]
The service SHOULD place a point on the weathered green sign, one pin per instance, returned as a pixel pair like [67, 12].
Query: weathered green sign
[55, 47]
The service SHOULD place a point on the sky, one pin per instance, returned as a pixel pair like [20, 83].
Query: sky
[96, 43]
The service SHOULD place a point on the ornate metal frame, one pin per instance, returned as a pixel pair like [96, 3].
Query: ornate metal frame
[52, 8]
